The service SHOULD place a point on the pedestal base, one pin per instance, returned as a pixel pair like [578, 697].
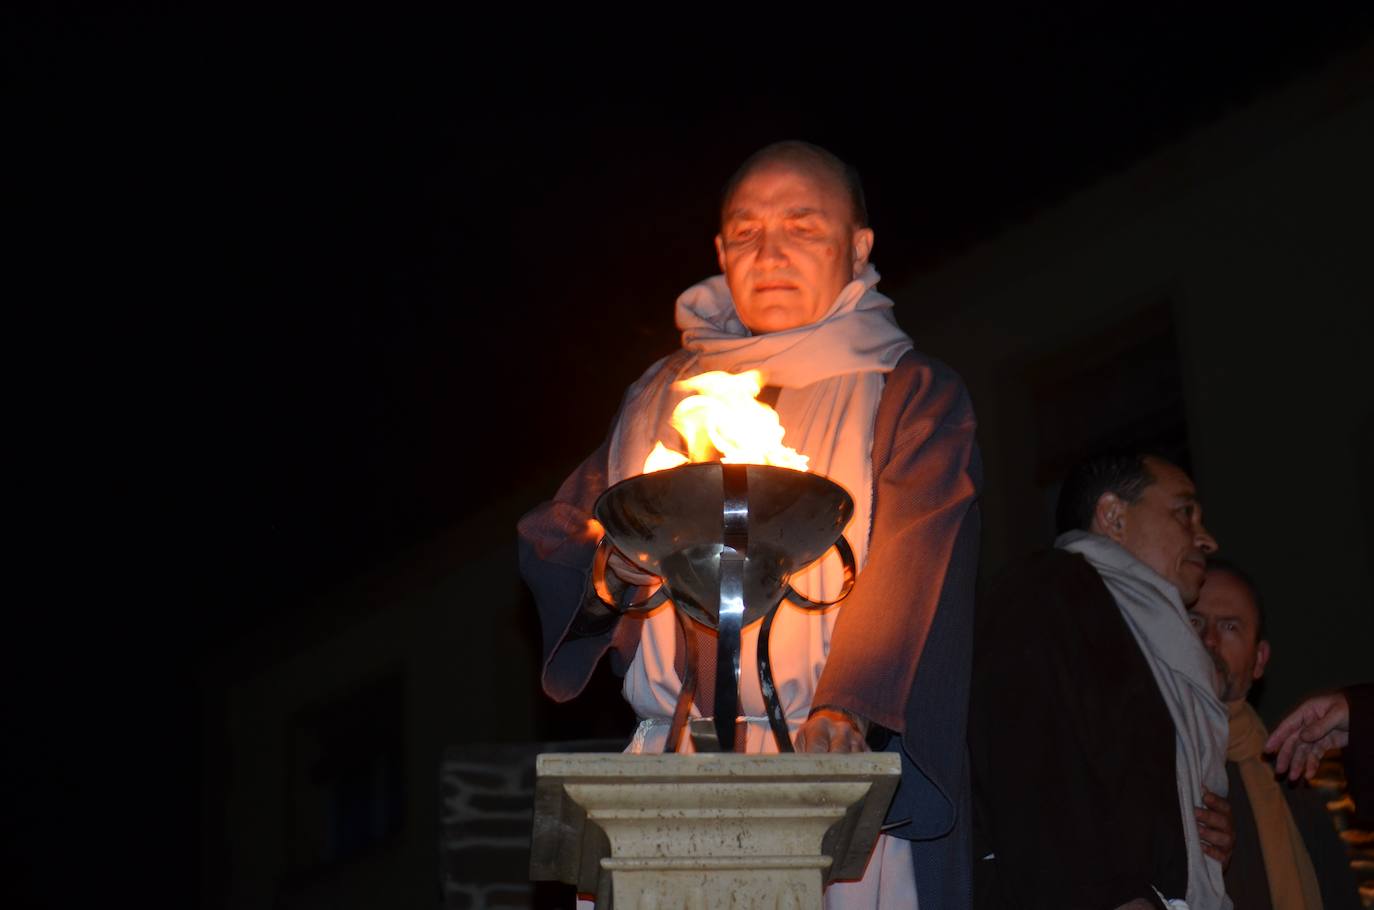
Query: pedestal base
[708, 830]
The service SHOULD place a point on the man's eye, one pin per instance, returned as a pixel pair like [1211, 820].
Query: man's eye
[1194, 621]
[743, 233]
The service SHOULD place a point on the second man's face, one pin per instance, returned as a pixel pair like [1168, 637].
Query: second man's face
[788, 246]
[1164, 530]
[1227, 619]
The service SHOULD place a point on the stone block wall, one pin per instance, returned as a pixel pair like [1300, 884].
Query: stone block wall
[487, 811]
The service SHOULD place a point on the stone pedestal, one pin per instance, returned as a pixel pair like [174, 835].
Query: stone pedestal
[708, 830]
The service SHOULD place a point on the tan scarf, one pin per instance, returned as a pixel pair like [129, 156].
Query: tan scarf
[1292, 881]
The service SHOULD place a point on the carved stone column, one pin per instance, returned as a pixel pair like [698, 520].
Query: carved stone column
[708, 830]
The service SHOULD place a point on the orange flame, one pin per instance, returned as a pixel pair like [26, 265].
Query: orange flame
[662, 458]
[724, 419]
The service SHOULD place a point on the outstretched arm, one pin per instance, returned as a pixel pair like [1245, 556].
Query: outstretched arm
[1343, 720]
[1319, 724]
[558, 539]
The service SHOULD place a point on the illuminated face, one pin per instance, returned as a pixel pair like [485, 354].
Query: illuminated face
[1227, 619]
[1162, 529]
[788, 245]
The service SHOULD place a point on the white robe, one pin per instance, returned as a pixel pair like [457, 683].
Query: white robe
[829, 418]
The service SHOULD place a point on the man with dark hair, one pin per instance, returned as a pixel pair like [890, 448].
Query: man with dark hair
[1287, 854]
[796, 299]
[1096, 735]
[1124, 475]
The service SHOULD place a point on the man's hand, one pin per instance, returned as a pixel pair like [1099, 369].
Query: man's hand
[628, 572]
[832, 730]
[1216, 828]
[1315, 727]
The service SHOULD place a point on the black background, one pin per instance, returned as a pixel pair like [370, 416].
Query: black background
[295, 293]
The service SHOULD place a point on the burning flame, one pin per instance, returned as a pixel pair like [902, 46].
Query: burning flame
[662, 458]
[724, 418]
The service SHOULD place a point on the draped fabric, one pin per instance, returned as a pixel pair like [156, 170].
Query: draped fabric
[1287, 866]
[1073, 748]
[897, 651]
[1187, 681]
[831, 375]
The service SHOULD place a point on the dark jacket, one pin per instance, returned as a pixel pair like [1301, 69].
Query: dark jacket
[1073, 749]
[1246, 882]
[1359, 752]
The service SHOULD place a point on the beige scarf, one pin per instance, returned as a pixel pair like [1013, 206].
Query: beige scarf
[1292, 880]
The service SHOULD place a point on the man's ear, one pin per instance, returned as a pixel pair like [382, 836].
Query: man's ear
[1261, 658]
[720, 253]
[861, 246]
[1109, 517]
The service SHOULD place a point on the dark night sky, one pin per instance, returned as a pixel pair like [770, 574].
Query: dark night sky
[277, 255]
[380, 215]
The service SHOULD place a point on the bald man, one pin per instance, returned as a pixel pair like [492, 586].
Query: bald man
[796, 298]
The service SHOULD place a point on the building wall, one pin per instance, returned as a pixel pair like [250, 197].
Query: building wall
[1255, 236]
[455, 634]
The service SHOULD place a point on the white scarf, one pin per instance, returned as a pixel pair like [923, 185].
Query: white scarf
[1187, 681]
[831, 374]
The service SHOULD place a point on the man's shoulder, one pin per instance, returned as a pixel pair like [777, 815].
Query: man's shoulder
[1051, 567]
[672, 362]
[916, 368]
[1043, 588]
[919, 388]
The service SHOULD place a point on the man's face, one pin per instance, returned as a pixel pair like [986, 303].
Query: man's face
[1163, 528]
[1226, 617]
[788, 245]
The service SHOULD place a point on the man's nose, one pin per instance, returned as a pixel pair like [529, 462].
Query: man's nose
[1209, 636]
[770, 248]
[1205, 541]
